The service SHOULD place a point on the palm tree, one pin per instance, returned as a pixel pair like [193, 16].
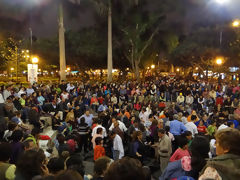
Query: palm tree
[103, 7]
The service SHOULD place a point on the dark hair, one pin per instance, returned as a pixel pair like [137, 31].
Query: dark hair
[26, 143]
[5, 151]
[193, 117]
[100, 166]
[125, 168]
[30, 164]
[98, 140]
[187, 133]
[55, 165]
[229, 123]
[17, 135]
[60, 138]
[35, 131]
[182, 141]
[99, 130]
[82, 120]
[199, 149]
[75, 162]
[11, 126]
[162, 131]
[69, 175]
[167, 129]
[150, 116]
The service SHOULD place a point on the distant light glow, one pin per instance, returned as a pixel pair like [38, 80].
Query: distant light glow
[221, 1]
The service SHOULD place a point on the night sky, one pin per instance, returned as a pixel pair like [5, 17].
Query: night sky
[41, 15]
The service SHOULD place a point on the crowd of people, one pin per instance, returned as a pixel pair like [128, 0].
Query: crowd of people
[129, 130]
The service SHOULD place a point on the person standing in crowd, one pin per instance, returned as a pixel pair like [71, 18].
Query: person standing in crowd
[101, 166]
[164, 148]
[99, 150]
[117, 149]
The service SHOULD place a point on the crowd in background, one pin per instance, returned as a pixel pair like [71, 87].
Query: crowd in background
[187, 129]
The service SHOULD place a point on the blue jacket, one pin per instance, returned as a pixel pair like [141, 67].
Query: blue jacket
[173, 170]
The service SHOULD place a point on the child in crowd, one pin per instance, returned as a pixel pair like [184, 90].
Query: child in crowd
[182, 150]
[99, 150]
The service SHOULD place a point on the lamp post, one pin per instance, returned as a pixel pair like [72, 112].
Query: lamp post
[236, 25]
[12, 69]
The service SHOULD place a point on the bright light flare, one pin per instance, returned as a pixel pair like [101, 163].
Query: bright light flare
[219, 61]
[153, 66]
[222, 1]
[34, 60]
[236, 23]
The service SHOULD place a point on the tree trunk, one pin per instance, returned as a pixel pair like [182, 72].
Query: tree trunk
[62, 45]
[109, 78]
[136, 70]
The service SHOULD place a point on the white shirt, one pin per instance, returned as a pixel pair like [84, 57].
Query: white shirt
[223, 126]
[122, 126]
[192, 128]
[29, 91]
[1, 98]
[118, 146]
[94, 131]
[6, 94]
[143, 116]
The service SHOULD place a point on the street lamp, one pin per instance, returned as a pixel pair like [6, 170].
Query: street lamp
[12, 69]
[68, 69]
[219, 61]
[34, 60]
[236, 23]
[178, 69]
[153, 66]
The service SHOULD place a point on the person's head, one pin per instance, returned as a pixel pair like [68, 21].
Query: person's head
[101, 165]
[17, 136]
[5, 151]
[55, 165]
[87, 113]
[135, 123]
[125, 168]
[137, 135]
[199, 149]
[82, 120]
[201, 123]
[183, 142]
[99, 130]
[188, 135]
[227, 141]
[116, 124]
[175, 117]
[99, 141]
[154, 122]
[36, 132]
[12, 126]
[193, 118]
[29, 145]
[61, 138]
[69, 175]
[30, 164]
[230, 124]
[75, 163]
[18, 114]
[161, 133]
[112, 134]
[114, 120]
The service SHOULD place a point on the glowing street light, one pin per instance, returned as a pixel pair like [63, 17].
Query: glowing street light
[196, 68]
[153, 66]
[68, 69]
[34, 60]
[178, 69]
[236, 23]
[219, 61]
[221, 1]
[12, 69]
